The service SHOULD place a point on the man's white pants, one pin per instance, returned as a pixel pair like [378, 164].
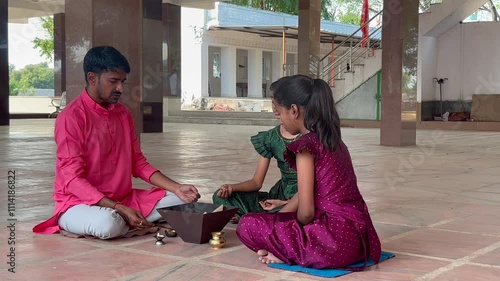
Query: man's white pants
[106, 223]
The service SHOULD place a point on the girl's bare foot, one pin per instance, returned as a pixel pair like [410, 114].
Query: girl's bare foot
[266, 257]
[235, 219]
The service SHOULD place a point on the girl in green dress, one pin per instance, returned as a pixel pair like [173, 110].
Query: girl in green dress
[246, 195]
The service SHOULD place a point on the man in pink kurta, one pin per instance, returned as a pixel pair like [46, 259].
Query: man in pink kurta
[97, 154]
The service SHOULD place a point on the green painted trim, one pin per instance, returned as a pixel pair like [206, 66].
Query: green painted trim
[378, 97]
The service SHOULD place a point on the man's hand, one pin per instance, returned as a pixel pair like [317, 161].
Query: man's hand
[187, 193]
[272, 204]
[133, 217]
[225, 191]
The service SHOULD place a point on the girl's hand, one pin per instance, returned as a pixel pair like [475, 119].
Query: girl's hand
[225, 191]
[272, 204]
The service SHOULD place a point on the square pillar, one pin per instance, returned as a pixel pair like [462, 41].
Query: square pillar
[152, 66]
[277, 66]
[171, 50]
[228, 72]
[309, 37]
[399, 70]
[194, 56]
[255, 73]
[132, 27]
[4, 64]
[59, 55]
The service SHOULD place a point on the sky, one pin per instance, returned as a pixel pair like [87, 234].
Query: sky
[21, 49]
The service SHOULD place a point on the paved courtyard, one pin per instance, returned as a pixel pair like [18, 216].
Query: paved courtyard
[436, 206]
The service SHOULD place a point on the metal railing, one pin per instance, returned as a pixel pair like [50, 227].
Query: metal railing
[354, 53]
[346, 61]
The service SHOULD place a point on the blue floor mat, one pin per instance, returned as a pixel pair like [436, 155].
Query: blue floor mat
[327, 273]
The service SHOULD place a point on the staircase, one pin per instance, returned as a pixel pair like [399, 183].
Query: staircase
[352, 67]
[354, 63]
[225, 118]
[444, 14]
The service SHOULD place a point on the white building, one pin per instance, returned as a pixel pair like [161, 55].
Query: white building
[232, 54]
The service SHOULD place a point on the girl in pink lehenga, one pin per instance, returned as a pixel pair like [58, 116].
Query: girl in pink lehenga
[326, 224]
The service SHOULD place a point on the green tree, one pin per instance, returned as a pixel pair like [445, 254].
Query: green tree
[35, 76]
[491, 7]
[46, 43]
[285, 6]
[13, 82]
[350, 18]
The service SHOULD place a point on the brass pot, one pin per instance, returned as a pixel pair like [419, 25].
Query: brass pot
[218, 241]
[170, 233]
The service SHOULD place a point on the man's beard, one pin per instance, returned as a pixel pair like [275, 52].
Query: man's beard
[113, 98]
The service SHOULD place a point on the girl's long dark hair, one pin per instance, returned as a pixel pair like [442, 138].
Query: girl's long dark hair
[316, 97]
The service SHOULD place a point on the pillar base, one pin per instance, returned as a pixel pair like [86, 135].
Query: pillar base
[152, 117]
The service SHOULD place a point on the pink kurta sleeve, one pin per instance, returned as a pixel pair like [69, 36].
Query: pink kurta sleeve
[140, 165]
[69, 134]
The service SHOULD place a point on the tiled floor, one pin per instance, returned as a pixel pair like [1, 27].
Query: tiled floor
[437, 206]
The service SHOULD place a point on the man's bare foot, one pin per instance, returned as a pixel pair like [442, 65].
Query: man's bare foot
[266, 257]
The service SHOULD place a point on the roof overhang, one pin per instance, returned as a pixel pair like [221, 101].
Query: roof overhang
[291, 32]
[21, 10]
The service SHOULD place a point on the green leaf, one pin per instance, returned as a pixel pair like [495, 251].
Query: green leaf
[45, 45]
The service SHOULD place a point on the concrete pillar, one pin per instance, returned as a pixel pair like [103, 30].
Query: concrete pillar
[171, 50]
[228, 72]
[255, 73]
[277, 66]
[399, 70]
[59, 55]
[194, 56]
[132, 27]
[4, 64]
[309, 37]
[152, 66]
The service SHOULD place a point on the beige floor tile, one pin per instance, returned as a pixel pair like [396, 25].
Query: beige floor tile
[449, 181]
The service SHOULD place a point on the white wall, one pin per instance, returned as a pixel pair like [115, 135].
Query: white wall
[468, 56]
[30, 104]
[427, 64]
[194, 56]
